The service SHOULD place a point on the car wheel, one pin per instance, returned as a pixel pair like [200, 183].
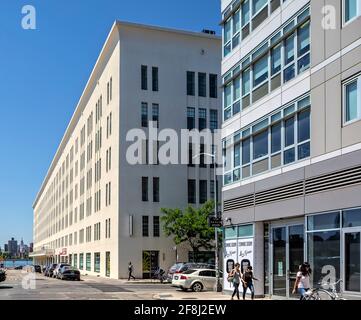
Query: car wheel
[197, 287]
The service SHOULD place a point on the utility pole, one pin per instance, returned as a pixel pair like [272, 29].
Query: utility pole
[218, 286]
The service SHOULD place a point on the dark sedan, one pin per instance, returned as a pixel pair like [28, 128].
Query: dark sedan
[50, 269]
[68, 272]
[37, 268]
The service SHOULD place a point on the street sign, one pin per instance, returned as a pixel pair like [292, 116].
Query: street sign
[215, 222]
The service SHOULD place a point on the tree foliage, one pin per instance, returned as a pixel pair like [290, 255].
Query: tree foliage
[190, 225]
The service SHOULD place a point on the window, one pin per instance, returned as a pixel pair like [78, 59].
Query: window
[289, 72]
[107, 228]
[276, 60]
[191, 121]
[155, 81]
[260, 71]
[108, 94]
[88, 262]
[202, 163]
[213, 86]
[144, 114]
[155, 113]
[191, 191]
[289, 131]
[155, 189]
[245, 12]
[213, 122]
[202, 84]
[227, 33]
[97, 262]
[237, 154]
[246, 151]
[144, 188]
[156, 229]
[279, 139]
[111, 89]
[202, 191]
[352, 100]
[191, 83]
[351, 9]
[260, 145]
[258, 5]
[107, 194]
[276, 137]
[145, 226]
[144, 75]
[190, 155]
[81, 261]
[202, 119]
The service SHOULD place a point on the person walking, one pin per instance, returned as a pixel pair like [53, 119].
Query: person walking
[235, 276]
[247, 281]
[130, 271]
[302, 283]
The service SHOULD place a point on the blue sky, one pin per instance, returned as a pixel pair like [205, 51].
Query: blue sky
[43, 73]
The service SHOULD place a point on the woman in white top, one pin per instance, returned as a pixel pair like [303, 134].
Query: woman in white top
[302, 283]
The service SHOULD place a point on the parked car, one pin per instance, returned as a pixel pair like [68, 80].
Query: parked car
[180, 267]
[37, 268]
[196, 279]
[58, 267]
[68, 272]
[50, 270]
[18, 268]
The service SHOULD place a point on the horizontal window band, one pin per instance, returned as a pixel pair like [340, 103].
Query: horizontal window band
[273, 45]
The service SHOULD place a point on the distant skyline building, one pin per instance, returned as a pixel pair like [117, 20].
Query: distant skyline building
[12, 247]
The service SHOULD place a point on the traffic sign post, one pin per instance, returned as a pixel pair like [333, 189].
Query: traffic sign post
[215, 222]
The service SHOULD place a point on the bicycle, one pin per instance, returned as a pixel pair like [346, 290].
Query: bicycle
[323, 294]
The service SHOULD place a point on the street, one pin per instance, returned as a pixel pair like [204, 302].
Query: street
[20, 285]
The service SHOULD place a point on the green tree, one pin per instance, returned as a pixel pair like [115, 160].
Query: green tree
[190, 225]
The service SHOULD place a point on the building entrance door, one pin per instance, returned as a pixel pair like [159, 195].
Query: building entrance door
[286, 255]
[150, 263]
[352, 260]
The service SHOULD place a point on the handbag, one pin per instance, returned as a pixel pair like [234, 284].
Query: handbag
[230, 278]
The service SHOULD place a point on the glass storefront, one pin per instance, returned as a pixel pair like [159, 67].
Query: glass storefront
[238, 247]
[334, 250]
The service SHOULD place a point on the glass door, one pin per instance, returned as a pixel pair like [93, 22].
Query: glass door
[279, 243]
[287, 253]
[352, 259]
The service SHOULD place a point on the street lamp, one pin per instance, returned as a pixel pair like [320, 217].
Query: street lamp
[218, 286]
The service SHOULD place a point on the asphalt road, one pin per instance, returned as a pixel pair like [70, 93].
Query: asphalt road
[24, 286]
[20, 285]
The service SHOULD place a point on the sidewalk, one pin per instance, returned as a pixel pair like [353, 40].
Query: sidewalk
[120, 281]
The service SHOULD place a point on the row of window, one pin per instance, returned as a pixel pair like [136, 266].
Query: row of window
[144, 78]
[203, 196]
[72, 239]
[154, 115]
[145, 191]
[73, 260]
[202, 84]
[63, 180]
[277, 60]
[202, 119]
[145, 226]
[240, 19]
[279, 139]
